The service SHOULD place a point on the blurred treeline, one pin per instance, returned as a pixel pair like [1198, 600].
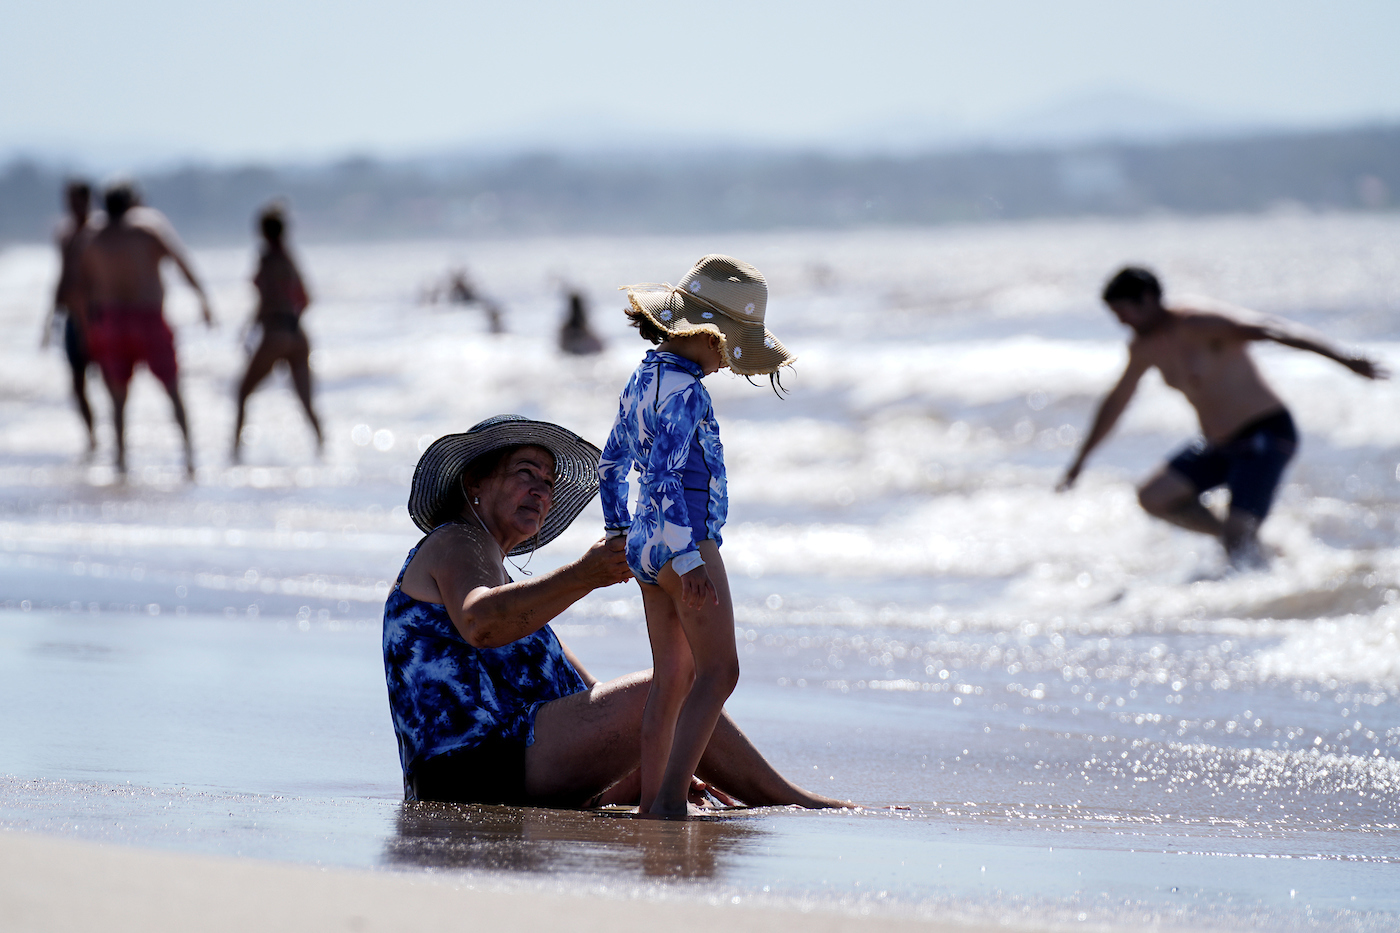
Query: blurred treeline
[1355, 169]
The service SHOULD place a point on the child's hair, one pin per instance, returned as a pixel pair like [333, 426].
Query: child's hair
[645, 327]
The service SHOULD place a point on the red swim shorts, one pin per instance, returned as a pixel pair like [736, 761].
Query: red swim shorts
[120, 336]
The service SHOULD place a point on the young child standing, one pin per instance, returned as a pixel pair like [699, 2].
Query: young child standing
[711, 320]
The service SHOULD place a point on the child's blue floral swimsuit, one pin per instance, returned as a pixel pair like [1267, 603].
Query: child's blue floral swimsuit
[666, 426]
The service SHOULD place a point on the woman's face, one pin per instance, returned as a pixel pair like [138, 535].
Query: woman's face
[516, 498]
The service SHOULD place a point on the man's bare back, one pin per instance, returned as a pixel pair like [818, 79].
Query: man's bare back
[121, 267]
[1204, 354]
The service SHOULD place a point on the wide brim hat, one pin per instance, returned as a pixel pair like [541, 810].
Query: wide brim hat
[436, 480]
[722, 296]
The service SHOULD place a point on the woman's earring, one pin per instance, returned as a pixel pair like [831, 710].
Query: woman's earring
[476, 501]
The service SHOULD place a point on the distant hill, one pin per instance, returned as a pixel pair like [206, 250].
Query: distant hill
[1356, 169]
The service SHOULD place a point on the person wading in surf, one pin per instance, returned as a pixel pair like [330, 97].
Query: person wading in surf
[1248, 434]
[73, 238]
[282, 299]
[120, 300]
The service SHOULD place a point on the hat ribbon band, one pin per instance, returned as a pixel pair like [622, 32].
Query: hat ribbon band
[675, 290]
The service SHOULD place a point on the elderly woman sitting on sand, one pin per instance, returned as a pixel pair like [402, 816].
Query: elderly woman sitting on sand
[488, 705]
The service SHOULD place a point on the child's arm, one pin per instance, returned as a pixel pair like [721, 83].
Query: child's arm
[613, 468]
[677, 423]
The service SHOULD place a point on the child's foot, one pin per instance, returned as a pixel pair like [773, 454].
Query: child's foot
[667, 810]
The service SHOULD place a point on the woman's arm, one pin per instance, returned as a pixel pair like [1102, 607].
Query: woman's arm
[489, 614]
[300, 298]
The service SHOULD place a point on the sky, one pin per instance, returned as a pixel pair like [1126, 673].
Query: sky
[152, 80]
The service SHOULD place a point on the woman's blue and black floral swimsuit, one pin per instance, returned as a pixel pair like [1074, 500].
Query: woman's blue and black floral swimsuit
[666, 426]
[446, 696]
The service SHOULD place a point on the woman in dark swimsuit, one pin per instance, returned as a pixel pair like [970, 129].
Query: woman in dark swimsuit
[282, 300]
[488, 705]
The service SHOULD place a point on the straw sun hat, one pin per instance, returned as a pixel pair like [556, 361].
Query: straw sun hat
[722, 296]
[436, 486]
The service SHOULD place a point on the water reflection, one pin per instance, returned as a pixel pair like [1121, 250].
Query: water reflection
[526, 839]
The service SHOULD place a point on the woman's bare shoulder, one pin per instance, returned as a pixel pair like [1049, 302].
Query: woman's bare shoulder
[462, 550]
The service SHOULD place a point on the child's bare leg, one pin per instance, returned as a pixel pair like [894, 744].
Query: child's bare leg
[673, 670]
[709, 629]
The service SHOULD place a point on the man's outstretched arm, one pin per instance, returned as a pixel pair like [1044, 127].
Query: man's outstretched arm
[1110, 409]
[173, 250]
[1302, 338]
[195, 284]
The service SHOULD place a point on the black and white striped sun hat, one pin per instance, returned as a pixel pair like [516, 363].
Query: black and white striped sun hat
[435, 481]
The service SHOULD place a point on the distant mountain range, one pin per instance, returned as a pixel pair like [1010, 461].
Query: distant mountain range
[475, 195]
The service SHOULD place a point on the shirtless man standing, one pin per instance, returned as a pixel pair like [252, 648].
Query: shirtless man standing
[72, 239]
[121, 300]
[1248, 434]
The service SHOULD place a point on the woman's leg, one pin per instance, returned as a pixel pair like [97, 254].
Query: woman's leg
[300, 362]
[710, 633]
[587, 741]
[258, 367]
[673, 672]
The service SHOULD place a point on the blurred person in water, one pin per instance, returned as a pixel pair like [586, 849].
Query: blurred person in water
[282, 300]
[575, 336]
[120, 300]
[488, 705]
[1248, 434]
[73, 237]
[458, 289]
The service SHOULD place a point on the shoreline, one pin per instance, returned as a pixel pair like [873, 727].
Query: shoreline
[50, 883]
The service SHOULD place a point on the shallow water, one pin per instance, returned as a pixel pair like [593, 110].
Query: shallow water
[1078, 698]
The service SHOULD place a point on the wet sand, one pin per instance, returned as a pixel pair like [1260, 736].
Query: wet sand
[255, 738]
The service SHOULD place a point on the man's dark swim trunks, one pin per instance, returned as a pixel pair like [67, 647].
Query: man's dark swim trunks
[1250, 463]
[75, 346]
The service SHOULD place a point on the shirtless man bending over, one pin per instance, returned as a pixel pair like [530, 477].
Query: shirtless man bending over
[122, 304]
[1248, 434]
